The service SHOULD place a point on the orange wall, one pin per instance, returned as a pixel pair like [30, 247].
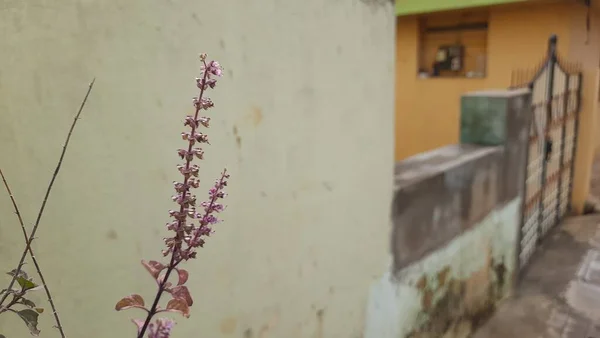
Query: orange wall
[585, 48]
[427, 110]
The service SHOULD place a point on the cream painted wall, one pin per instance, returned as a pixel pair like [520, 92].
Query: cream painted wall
[304, 120]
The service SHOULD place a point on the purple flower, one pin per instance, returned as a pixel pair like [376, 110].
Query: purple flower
[161, 328]
[190, 225]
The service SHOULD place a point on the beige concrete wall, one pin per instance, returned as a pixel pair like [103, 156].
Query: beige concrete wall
[303, 120]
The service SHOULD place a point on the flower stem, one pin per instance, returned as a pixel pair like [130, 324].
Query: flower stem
[180, 222]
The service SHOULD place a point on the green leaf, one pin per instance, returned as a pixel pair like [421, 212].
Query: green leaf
[26, 284]
[23, 280]
[30, 317]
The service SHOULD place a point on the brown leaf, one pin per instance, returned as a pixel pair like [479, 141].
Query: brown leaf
[180, 306]
[133, 301]
[182, 292]
[183, 276]
[153, 267]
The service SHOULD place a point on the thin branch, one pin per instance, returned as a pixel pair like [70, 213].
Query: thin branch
[33, 258]
[43, 206]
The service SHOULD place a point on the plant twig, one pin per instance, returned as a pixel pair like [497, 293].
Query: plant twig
[41, 212]
[33, 258]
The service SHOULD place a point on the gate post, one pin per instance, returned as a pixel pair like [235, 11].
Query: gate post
[563, 133]
[502, 118]
[547, 140]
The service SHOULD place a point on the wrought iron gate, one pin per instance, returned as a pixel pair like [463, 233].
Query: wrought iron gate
[556, 94]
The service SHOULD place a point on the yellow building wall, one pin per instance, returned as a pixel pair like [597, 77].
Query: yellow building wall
[428, 110]
[585, 48]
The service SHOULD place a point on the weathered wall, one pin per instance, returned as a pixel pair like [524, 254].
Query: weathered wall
[306, 226]
[453, 245]
[456, 216]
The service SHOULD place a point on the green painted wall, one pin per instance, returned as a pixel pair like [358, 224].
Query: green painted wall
[407, 7]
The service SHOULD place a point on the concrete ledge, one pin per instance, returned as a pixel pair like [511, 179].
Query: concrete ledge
[440, 194]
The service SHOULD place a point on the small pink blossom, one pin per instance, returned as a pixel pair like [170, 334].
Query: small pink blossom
[190, 225]
[161, 328]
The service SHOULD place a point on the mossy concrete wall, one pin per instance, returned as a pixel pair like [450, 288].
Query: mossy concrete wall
[456, 218]
[453, 290]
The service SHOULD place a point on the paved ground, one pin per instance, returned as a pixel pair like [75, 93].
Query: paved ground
[559, 293]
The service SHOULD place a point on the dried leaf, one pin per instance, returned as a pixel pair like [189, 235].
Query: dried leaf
[179, 306]
[30, 318]
[22, 273]
[2, 336]
[27, 302]
[154, 267]
[183, 276]
[133, 301]
[182, 292]
[39, 309]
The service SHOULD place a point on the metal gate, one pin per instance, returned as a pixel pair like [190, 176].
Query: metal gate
[556, 95]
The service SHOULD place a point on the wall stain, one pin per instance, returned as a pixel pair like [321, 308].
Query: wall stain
[248, 333]
[222, 43]
[238, 139]
[228, 325]
[162, 175]
[422, 283]
[442, 276]
[447, 309]
[196, 19]
[256, 116]
[112, 234]
[320, 314]
[263, 331]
